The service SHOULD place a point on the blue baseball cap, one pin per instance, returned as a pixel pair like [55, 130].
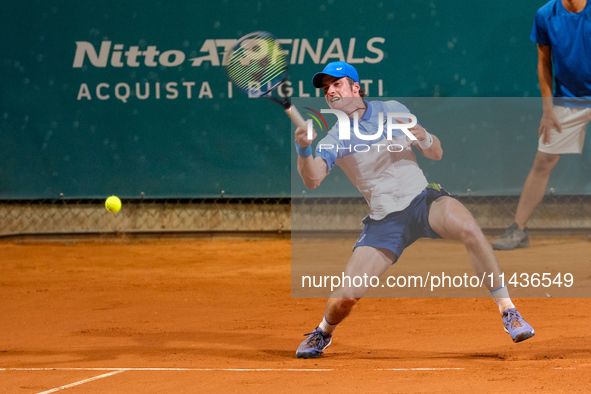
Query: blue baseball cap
[337, 70]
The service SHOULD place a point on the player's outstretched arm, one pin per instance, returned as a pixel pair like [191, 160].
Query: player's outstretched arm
[312, 170]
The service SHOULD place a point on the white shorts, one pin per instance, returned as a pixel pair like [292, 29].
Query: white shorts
[574, 123]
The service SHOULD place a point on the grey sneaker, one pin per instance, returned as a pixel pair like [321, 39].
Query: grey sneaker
[512, 238]
[314, 345]
[515, 326]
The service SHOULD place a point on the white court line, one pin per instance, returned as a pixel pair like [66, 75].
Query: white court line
[67, 386]
[224, 369]
[119, 370]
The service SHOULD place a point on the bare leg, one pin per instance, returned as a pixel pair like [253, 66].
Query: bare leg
[535, 186]
[450, 219]
[365, 260]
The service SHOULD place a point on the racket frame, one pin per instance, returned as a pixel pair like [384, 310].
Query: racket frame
[285, 102]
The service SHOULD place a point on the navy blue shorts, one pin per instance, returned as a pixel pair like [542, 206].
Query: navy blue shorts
[399, 230]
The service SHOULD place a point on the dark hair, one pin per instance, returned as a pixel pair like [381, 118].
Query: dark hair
[351, 82]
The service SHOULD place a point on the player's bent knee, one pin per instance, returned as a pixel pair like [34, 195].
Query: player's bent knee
[471, 233]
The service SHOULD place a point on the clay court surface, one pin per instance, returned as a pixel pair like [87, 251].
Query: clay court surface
[217, 315]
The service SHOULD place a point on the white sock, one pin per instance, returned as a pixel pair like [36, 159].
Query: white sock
[326, 326]
[501, 297]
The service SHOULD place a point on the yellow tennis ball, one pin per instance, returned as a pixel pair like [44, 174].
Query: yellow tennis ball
[113, 204]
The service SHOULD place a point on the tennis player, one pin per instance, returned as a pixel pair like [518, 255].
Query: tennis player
[562, 30]
[403, 206]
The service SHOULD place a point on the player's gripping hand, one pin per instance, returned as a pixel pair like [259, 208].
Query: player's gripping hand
[548, 123]
[301, 135]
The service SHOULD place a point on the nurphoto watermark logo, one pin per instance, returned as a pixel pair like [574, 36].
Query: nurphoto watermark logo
[348, 130]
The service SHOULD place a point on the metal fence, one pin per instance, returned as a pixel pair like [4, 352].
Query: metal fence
[79, 217]
[270, 215]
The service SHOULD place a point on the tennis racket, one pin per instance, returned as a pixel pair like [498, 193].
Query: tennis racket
[257, 65]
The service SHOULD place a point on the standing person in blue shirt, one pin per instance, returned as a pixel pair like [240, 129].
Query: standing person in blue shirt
[403, 206]
[562, 30]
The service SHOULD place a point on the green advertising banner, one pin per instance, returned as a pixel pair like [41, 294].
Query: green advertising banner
[125, 98]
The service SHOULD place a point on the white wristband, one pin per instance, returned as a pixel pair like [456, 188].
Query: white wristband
[426, 144]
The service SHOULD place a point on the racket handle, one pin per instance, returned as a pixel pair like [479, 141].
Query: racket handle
[295, 116]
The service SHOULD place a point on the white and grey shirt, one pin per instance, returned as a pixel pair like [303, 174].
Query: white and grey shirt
[385, 171]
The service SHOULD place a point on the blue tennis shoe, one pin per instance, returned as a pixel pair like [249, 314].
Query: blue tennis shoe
[515, 326]
[314, 345]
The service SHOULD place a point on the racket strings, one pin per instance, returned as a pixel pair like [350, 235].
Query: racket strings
[257, 65]
[255, 72]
